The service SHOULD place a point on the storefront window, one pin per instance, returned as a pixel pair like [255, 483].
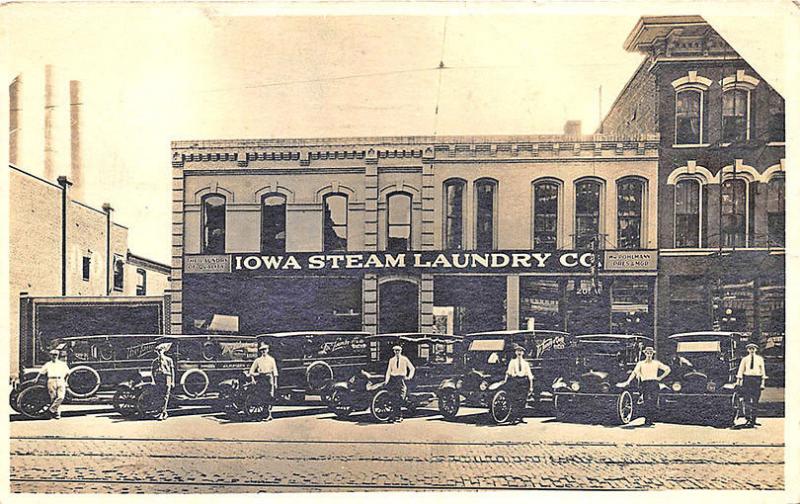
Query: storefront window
[776, 211]
[213, 224]
[477, 303]
[334, 223]
[398, 222]
[630, 193]
[688, 118]
[587, 214]
[454, 214]
[540, 303]
[273, 223]
[630, 306]
[735, 115]
[688, 303]
[734, 307]
[733, 196]
[485, 197]
[687, 213]
[398, 308]
[545, 215]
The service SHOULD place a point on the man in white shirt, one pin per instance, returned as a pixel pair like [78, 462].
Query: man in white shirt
[56, 371]
[647, 372]
[265, 373]
[163, 370]
[751, 379]
[519, 378]
[398, 371]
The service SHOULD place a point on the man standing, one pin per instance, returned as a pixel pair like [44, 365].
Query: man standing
[520, 380]
[751, 380]
[398, 371]
[647, 373]
[56, 371]
[163, 369]
[265, 373]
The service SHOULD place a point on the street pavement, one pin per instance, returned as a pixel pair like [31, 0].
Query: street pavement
[92, 449]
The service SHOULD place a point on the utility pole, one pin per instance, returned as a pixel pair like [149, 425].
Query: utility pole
[64, 182]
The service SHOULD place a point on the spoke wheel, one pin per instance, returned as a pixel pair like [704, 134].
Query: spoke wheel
[339, 404]
[384, 406]
[449, 403]
[125, 401]
[256, 406]
[500, 407]
[624, 412]
[34, 401]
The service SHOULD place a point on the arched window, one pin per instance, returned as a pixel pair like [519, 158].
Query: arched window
[734, 210]
[273, 223]
[735, 115]
[776, 211]
[485, 210]
[688, 209]
[689, 117]
[630, 198]
[454, 214]
[213, 219]
[545, 215]
[398, 225]
[587, 213]
[777, 118]
[334, 222]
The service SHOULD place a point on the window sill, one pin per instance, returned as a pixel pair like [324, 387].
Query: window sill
[690, 146]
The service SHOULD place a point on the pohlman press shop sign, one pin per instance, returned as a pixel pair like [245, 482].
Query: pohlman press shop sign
[499, 261]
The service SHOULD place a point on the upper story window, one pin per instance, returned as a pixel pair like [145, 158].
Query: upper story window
[630, 198]
[689, 116]
[141, 282]
[87, 267]
[213, 206]
[776, 211]
[334, 222]
[735, 115]
[454, 214]
[545, 215]
[398, 225]
[734, 212]
[273, 223]
[119, 273]
[688, 212]
[485, 213]
[777, 118]
[587, 214]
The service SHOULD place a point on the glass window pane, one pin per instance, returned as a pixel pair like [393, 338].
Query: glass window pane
[545, 221]
[734, 115]
[777, 118]
[776, 211]
[629, 213]
[334, 226]
[687, 213]
[454, 214]
[484, 219]
[687, 117]
[733, 200]
[273, 223]
[587, 213]
[399, 222]
[213, 224]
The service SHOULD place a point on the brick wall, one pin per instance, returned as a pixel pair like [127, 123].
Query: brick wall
[635, 111]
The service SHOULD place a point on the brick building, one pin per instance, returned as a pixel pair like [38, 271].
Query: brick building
[721, 167]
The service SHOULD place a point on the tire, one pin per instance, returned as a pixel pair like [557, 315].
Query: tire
[194, 382]
[384, 407]
[623, 411]
[449, 403]
[125, 401]
[12, 400]
[83, 382]
[34, 401]
[318, 374]
[500, 407]
[149, 401]
[256, 407]
[339, 404]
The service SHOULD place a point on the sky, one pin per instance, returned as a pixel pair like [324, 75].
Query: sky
[151, 74]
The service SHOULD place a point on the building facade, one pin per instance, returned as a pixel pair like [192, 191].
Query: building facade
[721, 177]
[454, 234]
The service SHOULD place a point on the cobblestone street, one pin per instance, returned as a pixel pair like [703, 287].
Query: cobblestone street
[308, 449]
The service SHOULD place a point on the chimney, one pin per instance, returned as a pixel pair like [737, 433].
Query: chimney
[572, 129]
[49, 123]
[14, 121]
[75, 136]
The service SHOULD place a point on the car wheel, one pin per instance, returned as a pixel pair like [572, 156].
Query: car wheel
[384, 407]
[624, 409]
[83, 382]
[149, 401]
[256, 406]
[12, 400]
[34, 401]
[125, 401]
[500, 407]
[339, 404]
[449, 403]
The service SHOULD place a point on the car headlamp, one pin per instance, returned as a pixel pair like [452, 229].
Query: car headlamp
[575, 386]
[459, 384]
[677, 386]
[711, 386]
[484, 385]
[605, 388]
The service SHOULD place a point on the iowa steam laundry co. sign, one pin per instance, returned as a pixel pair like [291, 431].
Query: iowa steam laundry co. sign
[501, 261]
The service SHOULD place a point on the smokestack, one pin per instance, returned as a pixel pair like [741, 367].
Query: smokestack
[49, 123]
[14, 120]
[75, 136]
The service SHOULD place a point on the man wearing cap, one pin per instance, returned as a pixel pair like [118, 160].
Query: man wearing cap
[163, 369]
[647, 372]
[398, 371]
[520, 383]
[265, 373]
[56, 371]
[751, 379]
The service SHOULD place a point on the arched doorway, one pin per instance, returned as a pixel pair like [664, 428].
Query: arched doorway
[398, 306]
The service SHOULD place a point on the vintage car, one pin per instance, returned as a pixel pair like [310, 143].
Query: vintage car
[97, 364]
[587, 389]
[202, 363]
[433, 357]
[484, 364]
[309, 362]
[702, 384]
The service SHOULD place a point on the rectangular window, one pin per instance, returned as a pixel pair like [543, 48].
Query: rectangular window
[630, 194]
[398, 222]
[87, 267]
[688, 120]
[141, 282]
[119, 273]
[213, 206]
[733, 206]
[777, 119]
[587, 214]
[273, 223]
[735, 115]
[776, 211]
[485, 210]
[334, 225]
[454, 214]
[687, 214]
[545, 216]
